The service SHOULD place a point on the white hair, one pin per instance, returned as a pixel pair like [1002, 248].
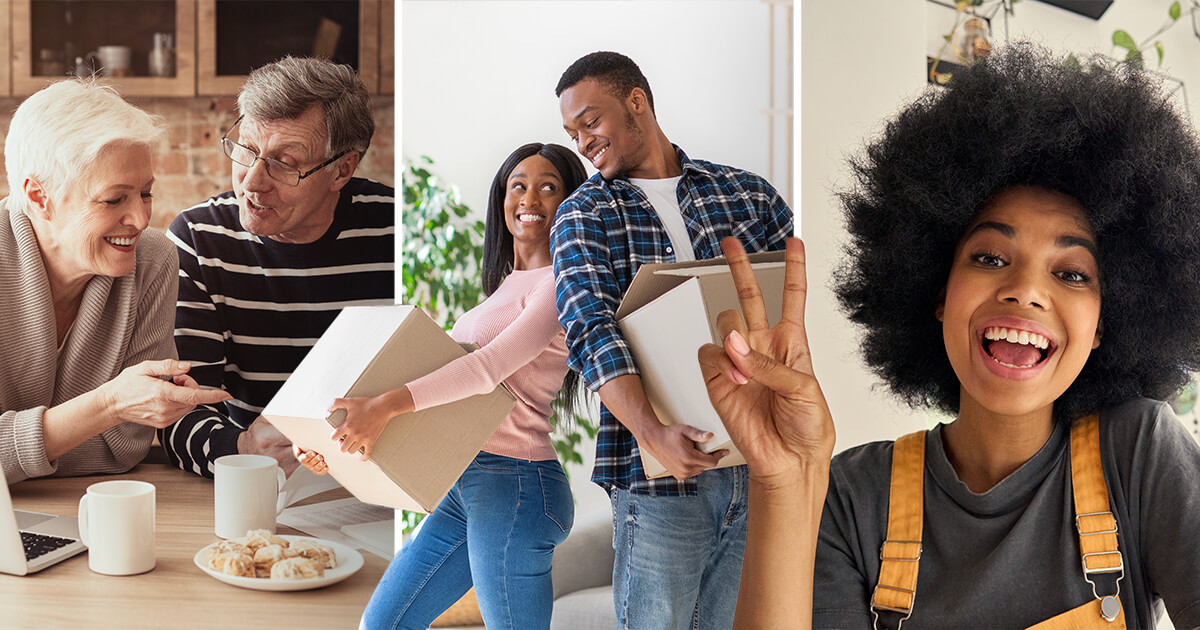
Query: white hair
[57, 133]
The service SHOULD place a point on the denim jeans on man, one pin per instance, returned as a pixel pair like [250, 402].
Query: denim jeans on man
[679, 559]
[496, 529]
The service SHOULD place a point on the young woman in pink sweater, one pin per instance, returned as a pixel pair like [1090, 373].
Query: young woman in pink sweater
[499, 524]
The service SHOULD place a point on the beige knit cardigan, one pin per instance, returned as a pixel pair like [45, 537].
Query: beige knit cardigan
[121, 322]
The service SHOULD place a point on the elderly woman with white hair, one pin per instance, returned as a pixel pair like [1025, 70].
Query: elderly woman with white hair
[87, 357]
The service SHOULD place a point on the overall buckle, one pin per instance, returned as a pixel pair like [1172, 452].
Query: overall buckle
[1110, 605]
[897, 548]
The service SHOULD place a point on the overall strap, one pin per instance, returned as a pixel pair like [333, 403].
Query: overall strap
[1093, 516]
[901, 551]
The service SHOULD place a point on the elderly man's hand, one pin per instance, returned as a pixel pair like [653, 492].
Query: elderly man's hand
[156, 393]
[311, 460]
[260, 438]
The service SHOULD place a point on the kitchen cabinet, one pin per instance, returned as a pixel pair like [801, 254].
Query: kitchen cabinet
[216, 42]
[49, 35]
[232, 40]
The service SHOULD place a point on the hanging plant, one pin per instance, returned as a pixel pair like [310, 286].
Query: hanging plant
[969, 38]
[1135, 52]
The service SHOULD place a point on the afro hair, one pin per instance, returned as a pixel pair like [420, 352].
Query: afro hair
[1099, 131]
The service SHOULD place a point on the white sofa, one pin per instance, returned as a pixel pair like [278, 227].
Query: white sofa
[582, 572]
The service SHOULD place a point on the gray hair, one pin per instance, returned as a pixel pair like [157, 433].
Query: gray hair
[57, 133]
[287, 88]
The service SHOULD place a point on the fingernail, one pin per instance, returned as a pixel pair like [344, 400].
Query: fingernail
[184, 365]
[738, 377]
[738, 343]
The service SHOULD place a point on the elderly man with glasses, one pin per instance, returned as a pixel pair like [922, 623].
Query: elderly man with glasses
[266, 267]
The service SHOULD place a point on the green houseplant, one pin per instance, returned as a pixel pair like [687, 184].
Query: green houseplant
[441, 258]
[441, 247]
[1134, 51]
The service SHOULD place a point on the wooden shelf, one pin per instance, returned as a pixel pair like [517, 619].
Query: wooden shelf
[263, 30]
[25, 82]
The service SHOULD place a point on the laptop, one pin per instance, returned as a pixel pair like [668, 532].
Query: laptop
[32, 541]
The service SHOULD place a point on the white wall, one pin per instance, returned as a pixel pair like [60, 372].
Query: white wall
[479, 77]
[859, 62]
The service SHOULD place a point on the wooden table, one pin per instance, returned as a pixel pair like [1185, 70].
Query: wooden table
[176, 594]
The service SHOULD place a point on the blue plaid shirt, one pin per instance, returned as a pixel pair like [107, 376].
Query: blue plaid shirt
[602, 234]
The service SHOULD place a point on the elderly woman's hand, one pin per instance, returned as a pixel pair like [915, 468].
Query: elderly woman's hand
[156, 393]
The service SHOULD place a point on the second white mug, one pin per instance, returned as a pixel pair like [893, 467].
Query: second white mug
[246, 494]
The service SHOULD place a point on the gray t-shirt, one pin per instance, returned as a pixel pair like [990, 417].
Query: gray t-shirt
[1010, 557]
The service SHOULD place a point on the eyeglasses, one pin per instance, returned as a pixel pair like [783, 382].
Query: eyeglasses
[278, 171]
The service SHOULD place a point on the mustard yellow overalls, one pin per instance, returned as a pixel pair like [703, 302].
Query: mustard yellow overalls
[901, 552]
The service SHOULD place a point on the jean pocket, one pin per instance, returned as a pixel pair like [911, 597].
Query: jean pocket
[557, 499]
[486, 462]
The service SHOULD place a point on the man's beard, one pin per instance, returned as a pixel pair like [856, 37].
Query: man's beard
[637, 139]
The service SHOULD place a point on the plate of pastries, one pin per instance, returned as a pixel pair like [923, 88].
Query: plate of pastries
[268, 562]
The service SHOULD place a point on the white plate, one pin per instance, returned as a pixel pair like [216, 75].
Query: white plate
[349, 561]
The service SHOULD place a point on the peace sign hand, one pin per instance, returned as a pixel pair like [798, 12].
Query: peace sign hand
[761, 383]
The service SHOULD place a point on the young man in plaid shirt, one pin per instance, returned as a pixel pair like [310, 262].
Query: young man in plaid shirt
[679, 540]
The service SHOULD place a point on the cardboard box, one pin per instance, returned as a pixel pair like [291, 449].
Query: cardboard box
[369, 350]
[669, 311]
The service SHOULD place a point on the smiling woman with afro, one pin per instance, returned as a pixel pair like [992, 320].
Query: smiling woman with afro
[1025, 256]
[1105, 171]
[1101, 133]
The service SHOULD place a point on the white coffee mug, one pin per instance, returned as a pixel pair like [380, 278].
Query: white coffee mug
[116, 522]
[246, 494]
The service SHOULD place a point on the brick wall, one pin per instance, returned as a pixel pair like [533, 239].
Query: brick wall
[193, 168]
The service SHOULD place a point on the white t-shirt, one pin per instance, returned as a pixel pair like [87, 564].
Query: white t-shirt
[661, 193]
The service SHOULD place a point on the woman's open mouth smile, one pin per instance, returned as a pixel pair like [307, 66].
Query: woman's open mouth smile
[1014, 352]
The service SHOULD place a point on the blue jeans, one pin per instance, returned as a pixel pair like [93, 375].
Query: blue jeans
[496, 529]
[679, 559]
